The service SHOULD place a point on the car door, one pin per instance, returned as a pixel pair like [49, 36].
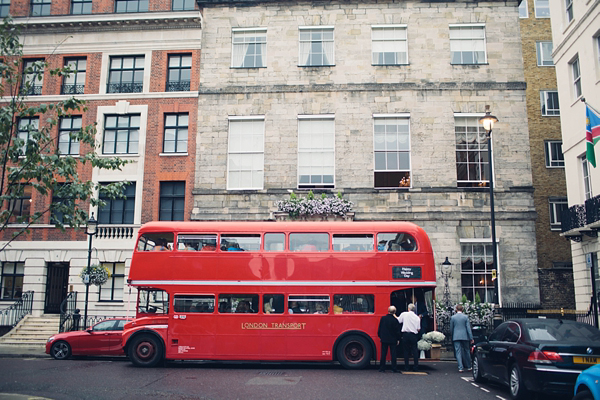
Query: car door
[487, 355]
[98, 340]
[502, 351]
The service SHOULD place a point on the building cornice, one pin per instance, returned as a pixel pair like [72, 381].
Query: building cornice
[110, 22]
[251, 3]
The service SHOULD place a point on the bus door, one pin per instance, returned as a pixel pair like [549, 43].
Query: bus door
[238, 330]
[192, 327]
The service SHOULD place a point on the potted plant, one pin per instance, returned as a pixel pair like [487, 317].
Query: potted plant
[98, 275]
[434, 338]
[310, 207]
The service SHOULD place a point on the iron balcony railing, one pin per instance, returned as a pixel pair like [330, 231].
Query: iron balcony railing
[31, 90]
[573, 217]
[16, 312]
[135, 87]
[592, 210]
[72, 89]
[183, 86]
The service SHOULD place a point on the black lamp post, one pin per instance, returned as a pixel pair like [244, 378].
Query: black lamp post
[488, 124]
[447, 273]
[90, 230]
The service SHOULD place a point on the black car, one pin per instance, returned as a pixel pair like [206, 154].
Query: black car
[540, 355]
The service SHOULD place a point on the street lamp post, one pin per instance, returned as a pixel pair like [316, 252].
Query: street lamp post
[447, 273]
[90, 230]
[488, 124]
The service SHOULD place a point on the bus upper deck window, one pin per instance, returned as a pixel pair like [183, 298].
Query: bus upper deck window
[274, 241]
[396, 242]
[197, 242]
[156, 242]
[355, 242]
[309, 242]
[250, 242]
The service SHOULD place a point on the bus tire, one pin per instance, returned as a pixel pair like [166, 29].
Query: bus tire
[145, 350]
[354, 352]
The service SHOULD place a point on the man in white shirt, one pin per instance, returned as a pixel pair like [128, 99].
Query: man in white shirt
[411, 324]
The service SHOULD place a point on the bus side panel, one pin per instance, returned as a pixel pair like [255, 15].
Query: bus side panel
[238, 337]
[191, 336]
[309, 337]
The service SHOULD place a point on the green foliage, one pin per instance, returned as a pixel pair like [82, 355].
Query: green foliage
[98, 275]
[464, 298]
[477, 298]
[30, 157]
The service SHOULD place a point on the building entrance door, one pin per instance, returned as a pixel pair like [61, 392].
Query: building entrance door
[56, 287]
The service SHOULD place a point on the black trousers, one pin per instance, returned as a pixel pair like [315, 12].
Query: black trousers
[409, 341]
[383, 355]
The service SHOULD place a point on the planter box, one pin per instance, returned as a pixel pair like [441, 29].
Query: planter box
[284, 216]
[436, 351]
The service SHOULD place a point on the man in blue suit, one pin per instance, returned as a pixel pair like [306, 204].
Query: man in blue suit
[461, 337]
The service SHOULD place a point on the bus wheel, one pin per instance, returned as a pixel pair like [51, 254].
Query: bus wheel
[354, 352]
[145, 351]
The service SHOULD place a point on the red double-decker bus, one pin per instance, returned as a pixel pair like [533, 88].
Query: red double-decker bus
[273, 291]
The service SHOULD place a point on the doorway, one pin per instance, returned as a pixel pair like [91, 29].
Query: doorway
[56, 287]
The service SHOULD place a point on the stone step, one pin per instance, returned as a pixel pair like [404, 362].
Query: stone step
[32, 331]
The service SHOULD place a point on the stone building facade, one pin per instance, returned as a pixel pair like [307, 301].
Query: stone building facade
[341, 93]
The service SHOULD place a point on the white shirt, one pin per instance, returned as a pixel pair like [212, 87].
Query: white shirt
[411, 322]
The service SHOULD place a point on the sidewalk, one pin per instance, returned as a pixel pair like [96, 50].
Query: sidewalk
[23, 351]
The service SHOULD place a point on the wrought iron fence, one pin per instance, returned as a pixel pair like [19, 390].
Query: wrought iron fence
[68, 309]
[182, 86]
[17, 311]
[135, 87]
[72, 89]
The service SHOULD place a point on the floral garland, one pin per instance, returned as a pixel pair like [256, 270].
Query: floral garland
[98, 275]
[309, 205]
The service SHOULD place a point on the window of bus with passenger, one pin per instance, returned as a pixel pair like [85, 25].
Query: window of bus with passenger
[156, 242]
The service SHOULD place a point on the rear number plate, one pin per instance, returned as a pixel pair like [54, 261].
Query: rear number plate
[586, 360]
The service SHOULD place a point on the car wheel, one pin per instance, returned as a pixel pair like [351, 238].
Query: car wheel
[60, 350]
[477, 371]
[584, 395]
[517, 388]
[145, 351]
[354, 352]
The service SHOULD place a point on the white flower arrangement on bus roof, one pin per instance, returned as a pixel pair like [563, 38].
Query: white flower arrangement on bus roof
[309, 205]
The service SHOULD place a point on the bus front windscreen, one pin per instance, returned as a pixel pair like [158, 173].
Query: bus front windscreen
[153, 301]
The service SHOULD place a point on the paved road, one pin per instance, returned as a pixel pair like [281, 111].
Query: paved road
[100, 378]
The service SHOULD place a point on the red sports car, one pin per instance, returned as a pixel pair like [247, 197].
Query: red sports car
[102, 339]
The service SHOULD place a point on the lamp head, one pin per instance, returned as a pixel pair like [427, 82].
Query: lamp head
[446, 265]
[92, 226]
[488, 120]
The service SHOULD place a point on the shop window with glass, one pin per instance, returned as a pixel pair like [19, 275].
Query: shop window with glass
[245, 153]
[392, 152]
[554, 154]
[316, 47]
[121, 134]
[33, 77]
[67, 143]
[249, 48]
[180, 73]
[542, 8]
[316, 151]
[26, 129]
[183, 5]
[4, 8]
[467, 44]
[472, 164]
[74, 83]
[172, 201]
[126, 74]
[81, 6]
[389, 45]
[120, 210]
[176, 133]
[549, 103]
[576, 77]
[12, 280]
[20, 203]
[131, 6]
[557, 207]
[476, 271]
[40, 8]
[544, 54]
[112, 290]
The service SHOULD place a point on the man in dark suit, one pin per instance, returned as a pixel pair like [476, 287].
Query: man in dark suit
[389, 334]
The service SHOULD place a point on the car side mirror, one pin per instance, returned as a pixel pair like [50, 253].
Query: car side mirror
[89, 330]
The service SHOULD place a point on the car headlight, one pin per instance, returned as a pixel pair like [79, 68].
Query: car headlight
[51, 339]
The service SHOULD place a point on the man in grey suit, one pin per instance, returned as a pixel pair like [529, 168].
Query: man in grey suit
[461, 337]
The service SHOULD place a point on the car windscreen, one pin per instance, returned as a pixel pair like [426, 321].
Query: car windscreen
[557, 331]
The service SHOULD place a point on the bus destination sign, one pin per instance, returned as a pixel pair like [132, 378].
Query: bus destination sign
[406, 272]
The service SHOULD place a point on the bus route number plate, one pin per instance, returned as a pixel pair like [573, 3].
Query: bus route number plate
[406, 272]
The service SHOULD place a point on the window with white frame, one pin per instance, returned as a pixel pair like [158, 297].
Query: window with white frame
[569, 10]
[316, 151]
[121, 134]
[316, 47]
[112, 290]
[523, 10]
[557, 206]
[4, 8]
[477, 263]
[389, 45]
[549, 102]
[12, 280]
[472, 164]
[467, 44]
[542, 8]
[246, 153]
[587, 179]
[176, 133]
[576, 77]
[544, 54]
[249, 48]
[391, 146]
[554, 154]
[26, 131]
[68, 127]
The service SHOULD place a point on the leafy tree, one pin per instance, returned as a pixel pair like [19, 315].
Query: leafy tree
[30, 159]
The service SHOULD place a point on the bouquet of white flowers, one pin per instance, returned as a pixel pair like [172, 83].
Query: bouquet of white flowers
[98, 275]
[434, 337]
[423, 345]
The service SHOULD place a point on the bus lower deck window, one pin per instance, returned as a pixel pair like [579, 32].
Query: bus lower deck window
[238, 303]
[353, 304]
[301, 304]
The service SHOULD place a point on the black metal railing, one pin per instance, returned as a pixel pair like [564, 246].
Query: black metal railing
[592, 210]
[72, 89]
[135, 87]
[17, 311]
[31, 90]
[183, 86]
[573, 217]
[69, 313]
[115, 232]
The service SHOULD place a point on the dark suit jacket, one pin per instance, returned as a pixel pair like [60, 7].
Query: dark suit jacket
[389, 329]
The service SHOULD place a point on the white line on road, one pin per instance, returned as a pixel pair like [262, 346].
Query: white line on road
[485, 390]
[501, 398]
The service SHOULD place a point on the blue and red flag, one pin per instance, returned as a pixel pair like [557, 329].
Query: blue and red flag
[592, 133]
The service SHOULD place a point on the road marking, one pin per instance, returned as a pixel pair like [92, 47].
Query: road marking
[501, 398]
[485, 390]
